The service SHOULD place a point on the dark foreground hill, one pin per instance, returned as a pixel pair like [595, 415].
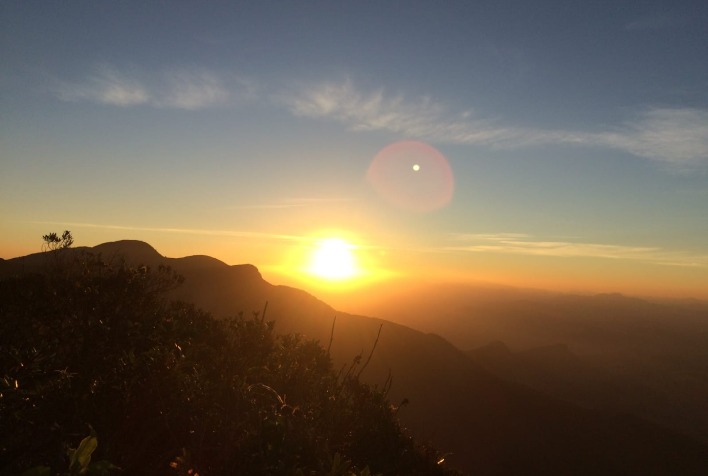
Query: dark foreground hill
[487, 425]
[94, 357]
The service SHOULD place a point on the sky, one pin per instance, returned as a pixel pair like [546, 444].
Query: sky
[554, 144]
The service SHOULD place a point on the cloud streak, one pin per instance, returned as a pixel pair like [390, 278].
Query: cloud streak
[679, 136]
[106, 86]
[182, 89]
[675, 135]
[423, 118]
[186, 231]
[519, 243]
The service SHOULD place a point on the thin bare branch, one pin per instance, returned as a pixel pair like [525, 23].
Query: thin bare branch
[331, 335]
[372, 352]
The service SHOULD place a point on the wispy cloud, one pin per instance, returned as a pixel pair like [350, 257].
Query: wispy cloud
[180, 89]
[423, 118]
[675, 135]
[184, 231]
[189, 90]
[519, 243]
[678, 136]
[106, 86]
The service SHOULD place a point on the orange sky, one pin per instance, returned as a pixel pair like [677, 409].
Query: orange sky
[449, 144]
[284, 259]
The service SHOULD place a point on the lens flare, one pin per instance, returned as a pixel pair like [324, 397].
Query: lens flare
[412, 175]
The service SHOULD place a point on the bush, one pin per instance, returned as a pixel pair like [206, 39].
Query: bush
[90, 345]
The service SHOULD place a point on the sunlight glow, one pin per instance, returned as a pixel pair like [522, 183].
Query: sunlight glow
[333, 259]
[335, 264]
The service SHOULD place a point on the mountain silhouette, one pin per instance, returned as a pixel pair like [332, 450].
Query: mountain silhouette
[487, 424]
[648, 357]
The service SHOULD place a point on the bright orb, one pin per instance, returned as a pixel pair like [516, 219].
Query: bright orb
[412, 175]
[333, 259]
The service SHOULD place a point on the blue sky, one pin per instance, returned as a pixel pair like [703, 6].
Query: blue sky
[576, 132]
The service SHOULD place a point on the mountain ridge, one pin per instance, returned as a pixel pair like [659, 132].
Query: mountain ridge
[491, 426]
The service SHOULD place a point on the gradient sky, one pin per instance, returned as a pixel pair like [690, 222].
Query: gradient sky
[575, 132]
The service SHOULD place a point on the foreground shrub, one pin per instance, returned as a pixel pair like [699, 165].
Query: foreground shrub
[166, 387]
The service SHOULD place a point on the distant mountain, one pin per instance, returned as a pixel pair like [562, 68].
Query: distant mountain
[488, 425]
[553, 370]
[639, 356]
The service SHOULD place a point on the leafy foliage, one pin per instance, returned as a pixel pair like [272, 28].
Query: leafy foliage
[53, 242]
[90, 344]
[79, 461]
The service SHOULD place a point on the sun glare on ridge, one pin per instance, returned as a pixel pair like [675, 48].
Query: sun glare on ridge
[333, 259]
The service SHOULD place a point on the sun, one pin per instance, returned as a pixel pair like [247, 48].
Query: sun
[333, 259]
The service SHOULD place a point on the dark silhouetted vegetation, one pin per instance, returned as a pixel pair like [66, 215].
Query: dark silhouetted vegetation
[93, 346]
[53, 242]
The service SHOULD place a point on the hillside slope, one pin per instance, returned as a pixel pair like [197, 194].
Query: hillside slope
[489, 426]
